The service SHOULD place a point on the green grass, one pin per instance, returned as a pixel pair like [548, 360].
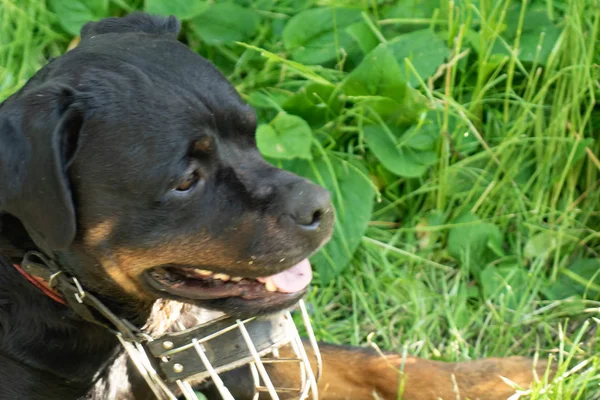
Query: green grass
[463, 161]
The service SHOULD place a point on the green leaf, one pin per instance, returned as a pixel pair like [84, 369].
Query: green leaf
[363, 36]
[407, 153]
[377, 75]
[352, 196]
[506, 280]
[73, 14]
[318, 35]
[472, 241]
[582, 278]
[287, 137]
[272, 98]
[258, 99]
[424, 49]
[411, 9]
[535, 25]
[378, 85]
[314, 102]
[182, 9]
[421, 137]
[541, 245]
[397, 113]
[226, 23]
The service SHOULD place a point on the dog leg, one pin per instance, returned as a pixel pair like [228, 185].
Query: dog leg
[355, 373]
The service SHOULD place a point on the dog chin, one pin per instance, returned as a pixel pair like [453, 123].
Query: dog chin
[240, 308]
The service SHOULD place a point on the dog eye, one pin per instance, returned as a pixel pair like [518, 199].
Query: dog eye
[190, 180]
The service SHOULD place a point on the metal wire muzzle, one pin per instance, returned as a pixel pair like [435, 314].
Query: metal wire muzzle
[173, 362]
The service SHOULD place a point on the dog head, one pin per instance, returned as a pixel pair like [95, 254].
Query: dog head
[133, 160]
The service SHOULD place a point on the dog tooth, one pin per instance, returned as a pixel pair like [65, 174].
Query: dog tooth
[236, 279]
[203, 271]
[270, 286]
[223, 277]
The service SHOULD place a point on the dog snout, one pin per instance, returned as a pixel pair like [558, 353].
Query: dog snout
[308, 205]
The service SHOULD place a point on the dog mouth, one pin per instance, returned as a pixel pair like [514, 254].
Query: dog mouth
[200, 284]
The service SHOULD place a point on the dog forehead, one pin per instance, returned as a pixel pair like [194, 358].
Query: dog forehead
[164, 59]
[152, 89]
[138, 71]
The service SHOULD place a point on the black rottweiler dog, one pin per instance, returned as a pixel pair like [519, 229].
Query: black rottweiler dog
[132, 162]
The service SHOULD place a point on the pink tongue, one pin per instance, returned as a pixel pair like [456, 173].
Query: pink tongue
[292, 280]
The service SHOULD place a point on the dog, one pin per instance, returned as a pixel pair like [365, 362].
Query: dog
[132, 162]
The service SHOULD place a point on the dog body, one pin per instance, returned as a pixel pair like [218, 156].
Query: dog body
[132, 162]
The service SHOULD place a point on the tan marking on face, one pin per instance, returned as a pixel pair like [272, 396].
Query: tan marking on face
[125, 266]
[125, 281]
[99, 233]
[136, 261]
[226, 254]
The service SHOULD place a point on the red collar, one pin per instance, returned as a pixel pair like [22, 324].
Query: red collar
[41, 284]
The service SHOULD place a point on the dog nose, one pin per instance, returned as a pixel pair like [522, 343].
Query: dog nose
[307, 204]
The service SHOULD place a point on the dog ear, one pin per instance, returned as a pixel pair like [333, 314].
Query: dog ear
[135, 22]
[39, 131]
